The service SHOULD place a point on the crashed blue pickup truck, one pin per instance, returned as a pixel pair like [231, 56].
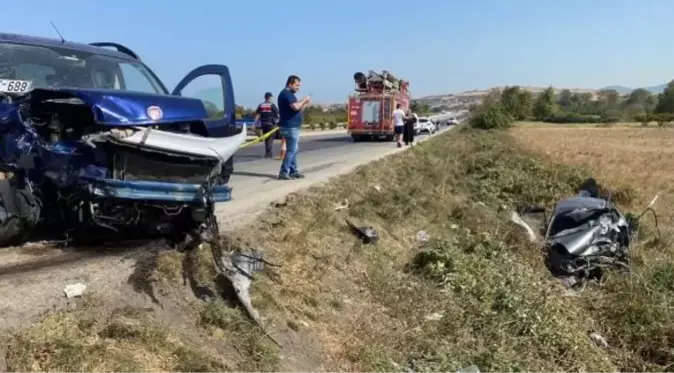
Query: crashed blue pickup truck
[93, 146]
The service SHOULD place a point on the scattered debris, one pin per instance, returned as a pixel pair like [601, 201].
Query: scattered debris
[515, 218]
[435, 316]
[423, 236]
[238, 268]
[377, 188]
[584, 235]
[367, 234]
[469, 369]
[598, 340]
[454, 226]
[74, 290]
[344, 205]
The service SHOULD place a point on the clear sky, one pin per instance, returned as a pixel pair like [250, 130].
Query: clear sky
[440, 46]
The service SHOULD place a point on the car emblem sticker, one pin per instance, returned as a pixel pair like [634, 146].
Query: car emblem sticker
[155, 113]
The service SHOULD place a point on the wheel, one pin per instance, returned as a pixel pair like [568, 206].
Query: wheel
[19, 214]
[390, 138]
[227, 170]
[357, 138]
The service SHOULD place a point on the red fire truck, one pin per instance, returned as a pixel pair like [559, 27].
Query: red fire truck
[371, 105]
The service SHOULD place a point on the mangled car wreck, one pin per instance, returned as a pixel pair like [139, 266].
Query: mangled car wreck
[584, 235]
[93, 145]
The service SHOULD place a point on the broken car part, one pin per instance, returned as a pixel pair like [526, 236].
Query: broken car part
[367, 235]
[585, 234]
[93, 145]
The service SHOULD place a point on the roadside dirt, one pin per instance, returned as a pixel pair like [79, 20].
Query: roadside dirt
[33, 277]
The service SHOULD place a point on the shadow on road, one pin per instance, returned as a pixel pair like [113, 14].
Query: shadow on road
[255, 174]
[336, 139]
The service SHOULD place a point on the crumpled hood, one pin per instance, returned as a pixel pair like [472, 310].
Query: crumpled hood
[124, 108]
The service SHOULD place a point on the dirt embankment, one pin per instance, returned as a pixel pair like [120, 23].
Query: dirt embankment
[474, 292]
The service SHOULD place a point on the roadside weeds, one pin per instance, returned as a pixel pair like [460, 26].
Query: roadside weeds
[476, 293]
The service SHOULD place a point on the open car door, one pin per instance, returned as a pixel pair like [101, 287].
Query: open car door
[212, 84]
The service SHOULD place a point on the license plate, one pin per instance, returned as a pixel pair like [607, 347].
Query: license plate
[15, 86]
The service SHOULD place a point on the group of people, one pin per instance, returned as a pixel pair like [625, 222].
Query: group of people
[288, 115]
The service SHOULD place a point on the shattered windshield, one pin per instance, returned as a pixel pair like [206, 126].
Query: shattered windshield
[25, 67]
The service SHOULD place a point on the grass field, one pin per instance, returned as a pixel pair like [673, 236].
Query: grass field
[474, 293]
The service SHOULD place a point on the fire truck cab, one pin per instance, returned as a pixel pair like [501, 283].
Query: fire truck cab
[371, 105]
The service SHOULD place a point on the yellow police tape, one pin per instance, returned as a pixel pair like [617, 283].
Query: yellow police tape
[260, 138]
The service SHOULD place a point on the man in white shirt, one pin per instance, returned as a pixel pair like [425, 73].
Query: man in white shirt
[398, 123]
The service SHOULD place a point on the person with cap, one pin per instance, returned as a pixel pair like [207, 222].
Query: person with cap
[267, 116]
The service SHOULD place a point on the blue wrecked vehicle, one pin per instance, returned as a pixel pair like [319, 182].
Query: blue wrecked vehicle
[93, 146]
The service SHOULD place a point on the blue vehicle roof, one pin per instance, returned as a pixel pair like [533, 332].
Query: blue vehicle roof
[48, 42]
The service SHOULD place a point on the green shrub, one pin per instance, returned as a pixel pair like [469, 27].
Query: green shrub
[494, 117]
[565, 117]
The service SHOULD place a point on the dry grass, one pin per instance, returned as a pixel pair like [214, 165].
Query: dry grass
[635, 311]
[127, 340]
[476, 293]
[637, 158]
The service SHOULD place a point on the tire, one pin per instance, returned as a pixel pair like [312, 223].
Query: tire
[390, 138]
[19, 214]
[227, 171]
[357, 138]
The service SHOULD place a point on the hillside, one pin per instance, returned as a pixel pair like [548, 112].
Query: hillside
[454, 100]
[625, 90]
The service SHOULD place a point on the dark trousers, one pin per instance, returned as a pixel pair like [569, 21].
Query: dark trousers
[269, 141]
[408, 133]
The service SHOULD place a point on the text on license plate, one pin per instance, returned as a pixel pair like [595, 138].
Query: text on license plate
[14, 86]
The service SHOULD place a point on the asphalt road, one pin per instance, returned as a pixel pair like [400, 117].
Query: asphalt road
[310, 144]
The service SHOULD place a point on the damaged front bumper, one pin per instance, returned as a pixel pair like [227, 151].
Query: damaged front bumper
[157, 191]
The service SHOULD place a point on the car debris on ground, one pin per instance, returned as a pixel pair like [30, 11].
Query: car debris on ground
[366, 234]
[585, 235]
[74, 290]
[238, 268]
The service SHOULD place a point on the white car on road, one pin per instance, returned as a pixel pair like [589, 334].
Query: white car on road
[424, 124]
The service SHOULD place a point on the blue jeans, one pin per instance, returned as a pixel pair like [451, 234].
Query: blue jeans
[289, 163]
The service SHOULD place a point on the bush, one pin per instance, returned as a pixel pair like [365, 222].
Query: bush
[564, 118]
[611, 116]
[332, 125]
[644, 119]
[494, 117]
[312, 126]
[662, 119]
[322, 125]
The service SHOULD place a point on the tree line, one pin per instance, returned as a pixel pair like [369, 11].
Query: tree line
[501, 108]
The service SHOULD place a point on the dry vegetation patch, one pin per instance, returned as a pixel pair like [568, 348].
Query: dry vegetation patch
[474, 293]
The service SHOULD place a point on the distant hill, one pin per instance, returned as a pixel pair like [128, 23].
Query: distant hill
[462, 100]
[466, 98]
[626, 90]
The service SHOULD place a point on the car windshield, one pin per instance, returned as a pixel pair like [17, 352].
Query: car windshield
[24, 67]
[423, 120]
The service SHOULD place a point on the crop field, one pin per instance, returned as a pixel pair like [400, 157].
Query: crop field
[629, 157]
[450, 283]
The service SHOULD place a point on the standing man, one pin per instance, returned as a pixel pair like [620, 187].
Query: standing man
[267, 114]
[398, 123]
[290, 110]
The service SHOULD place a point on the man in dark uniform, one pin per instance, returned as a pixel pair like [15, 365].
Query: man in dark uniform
[267, 115]
[408, 131]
